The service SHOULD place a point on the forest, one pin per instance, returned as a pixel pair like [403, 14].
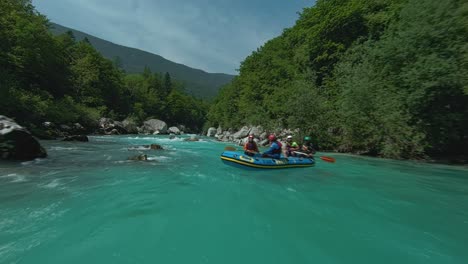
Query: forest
[61, 80]
[383, 78]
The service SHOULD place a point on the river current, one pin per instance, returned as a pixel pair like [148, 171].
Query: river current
[87, 203]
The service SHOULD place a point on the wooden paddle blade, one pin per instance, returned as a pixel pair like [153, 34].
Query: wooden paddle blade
[230, 148]
[328, 159]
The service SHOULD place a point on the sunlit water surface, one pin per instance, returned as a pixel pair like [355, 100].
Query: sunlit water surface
[87, 203]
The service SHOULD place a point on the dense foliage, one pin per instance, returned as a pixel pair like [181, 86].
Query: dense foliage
[386, 77]
[56, 78]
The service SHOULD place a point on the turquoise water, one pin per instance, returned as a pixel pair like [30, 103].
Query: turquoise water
[87, 203]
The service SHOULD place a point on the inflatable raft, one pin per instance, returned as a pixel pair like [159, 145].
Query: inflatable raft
[242, 160]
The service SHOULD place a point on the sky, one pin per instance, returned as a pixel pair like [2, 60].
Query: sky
[211, 35]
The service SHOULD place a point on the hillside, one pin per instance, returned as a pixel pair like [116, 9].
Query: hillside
[197, 82]
[367, 77]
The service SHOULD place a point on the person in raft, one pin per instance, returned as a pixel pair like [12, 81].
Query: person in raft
[250, 147]
[290, 147]
[275, 148]
[307, 148]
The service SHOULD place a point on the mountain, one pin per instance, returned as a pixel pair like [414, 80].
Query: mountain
[197, 82]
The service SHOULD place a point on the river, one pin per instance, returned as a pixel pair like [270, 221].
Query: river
[87, 203]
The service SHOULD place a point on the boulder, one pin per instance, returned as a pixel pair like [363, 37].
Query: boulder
[105, 122]
[155, 147]
[78, 126]
[264, 142]
[225, 137]
[16, 143]
[112, 131]
[65, 128]
[182, 128]
[81, 138]
[48, 125]
[154, 125]
[108, 126]
[78, 129]
[117, 126]
[47, 131]
[219, 131]
[243, 132]
[174, 130]
[130, 126]
[256, 131]
[211, 132]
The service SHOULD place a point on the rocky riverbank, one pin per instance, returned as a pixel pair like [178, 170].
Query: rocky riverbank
[240, 136]
[18, 143]
[108, 126]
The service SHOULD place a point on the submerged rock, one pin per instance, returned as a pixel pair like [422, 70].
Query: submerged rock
[192, 138]
[16, 143]
[156, 147]
[147, 147]
[81, 138]
[142, 157]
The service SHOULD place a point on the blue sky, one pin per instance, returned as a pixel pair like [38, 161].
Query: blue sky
[212, 35]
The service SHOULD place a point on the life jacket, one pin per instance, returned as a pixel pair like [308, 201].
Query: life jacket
[278, 150]
[291, 145]
[251, 146]
[309, 148]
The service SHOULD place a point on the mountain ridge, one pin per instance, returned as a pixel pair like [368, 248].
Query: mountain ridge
[133, 60]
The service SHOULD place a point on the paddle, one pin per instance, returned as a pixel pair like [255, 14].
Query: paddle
[324, 158]
[230, 148]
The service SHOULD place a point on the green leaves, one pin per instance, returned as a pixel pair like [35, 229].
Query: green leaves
[383, 77]
[47, 78]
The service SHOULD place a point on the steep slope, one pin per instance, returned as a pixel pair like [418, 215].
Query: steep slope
[197, 82]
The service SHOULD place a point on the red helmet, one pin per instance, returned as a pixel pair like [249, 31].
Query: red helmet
[271, 137]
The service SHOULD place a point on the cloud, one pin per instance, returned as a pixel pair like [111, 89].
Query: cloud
[211, 35]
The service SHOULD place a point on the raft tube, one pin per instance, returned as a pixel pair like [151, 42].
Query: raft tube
[238, 158]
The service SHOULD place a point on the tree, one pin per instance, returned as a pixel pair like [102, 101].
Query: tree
[167, 86]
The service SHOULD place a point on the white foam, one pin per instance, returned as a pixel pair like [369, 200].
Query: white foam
[137, 148]
[196, 153]
[122, 161]
[196, 174]
[144, 138]
[63, 148]
[15, 177]
[160, 158]
[53, 184]
[45, 211]
[35, 161]
[6, 248]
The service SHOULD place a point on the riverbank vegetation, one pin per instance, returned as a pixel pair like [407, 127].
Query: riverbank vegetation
[61, 80]
[385, 78]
